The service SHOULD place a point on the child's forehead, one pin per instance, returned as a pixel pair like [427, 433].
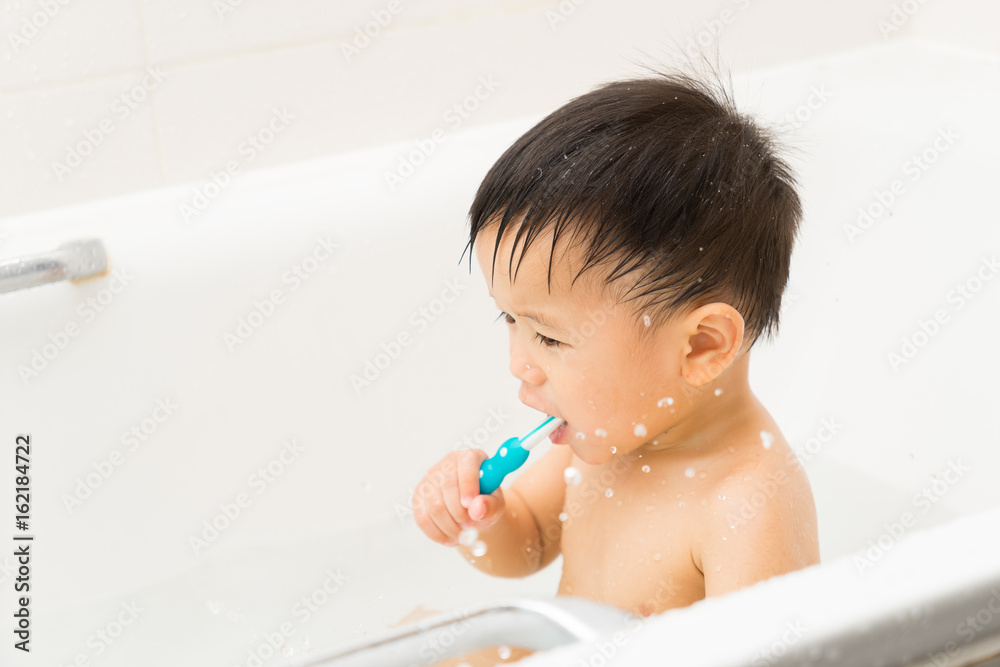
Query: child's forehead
[554, 272]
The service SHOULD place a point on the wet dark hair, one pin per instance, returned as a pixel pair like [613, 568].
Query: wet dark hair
[659, 175]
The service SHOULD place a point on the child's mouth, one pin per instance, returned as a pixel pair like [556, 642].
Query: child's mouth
[557, 435]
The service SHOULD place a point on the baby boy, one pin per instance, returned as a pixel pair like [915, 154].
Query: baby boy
[637, 242]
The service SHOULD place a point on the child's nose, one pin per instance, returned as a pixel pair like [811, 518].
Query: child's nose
[523, 366]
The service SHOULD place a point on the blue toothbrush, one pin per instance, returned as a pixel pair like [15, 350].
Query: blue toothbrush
[512, 455]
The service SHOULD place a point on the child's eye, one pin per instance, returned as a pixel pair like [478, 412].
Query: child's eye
[542, 340]
[546, 341]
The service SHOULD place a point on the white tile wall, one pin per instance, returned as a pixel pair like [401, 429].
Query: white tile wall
[228, 63]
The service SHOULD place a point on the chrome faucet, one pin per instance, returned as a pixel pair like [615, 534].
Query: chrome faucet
[70, 261]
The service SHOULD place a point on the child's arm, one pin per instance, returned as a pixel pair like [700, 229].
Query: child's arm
[520, 526]
[754, 534]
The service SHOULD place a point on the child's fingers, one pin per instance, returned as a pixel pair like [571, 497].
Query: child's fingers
[438, 516]
[469, 462]
[486, 508]
[447, 481]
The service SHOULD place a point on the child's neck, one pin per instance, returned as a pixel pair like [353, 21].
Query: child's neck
[716, 409]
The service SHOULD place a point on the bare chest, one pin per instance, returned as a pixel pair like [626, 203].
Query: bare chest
[626, 539]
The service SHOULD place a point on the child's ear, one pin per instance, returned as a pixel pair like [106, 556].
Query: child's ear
[714, 336]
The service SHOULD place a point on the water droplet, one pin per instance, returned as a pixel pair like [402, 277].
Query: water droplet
[468, 537]
[689, 472]
[601, 433]
[664, 402]
[503, 652]
[613, 449]
[572, 476]
[640, 430]
[767, 439]
[645, 468]
[718, 392]
[718, 568]
[581, 436]
[478, 549]
[722, 496]
[608, 493]
[645, 320]
[563, 516]
[657, 557]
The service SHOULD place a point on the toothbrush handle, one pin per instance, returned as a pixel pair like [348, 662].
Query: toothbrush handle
[508, 458]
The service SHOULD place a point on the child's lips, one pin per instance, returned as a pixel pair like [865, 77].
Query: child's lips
[558, 436]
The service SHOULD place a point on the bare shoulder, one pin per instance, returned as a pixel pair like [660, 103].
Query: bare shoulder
[760, 517]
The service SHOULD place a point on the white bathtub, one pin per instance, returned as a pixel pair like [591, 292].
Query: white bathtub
[332, 524]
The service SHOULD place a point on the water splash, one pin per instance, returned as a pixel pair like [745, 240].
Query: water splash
[766, 439]
[468, 537]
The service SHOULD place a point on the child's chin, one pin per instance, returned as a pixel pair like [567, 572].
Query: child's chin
[591, 457]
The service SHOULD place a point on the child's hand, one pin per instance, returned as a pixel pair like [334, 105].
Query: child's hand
[447, 500]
